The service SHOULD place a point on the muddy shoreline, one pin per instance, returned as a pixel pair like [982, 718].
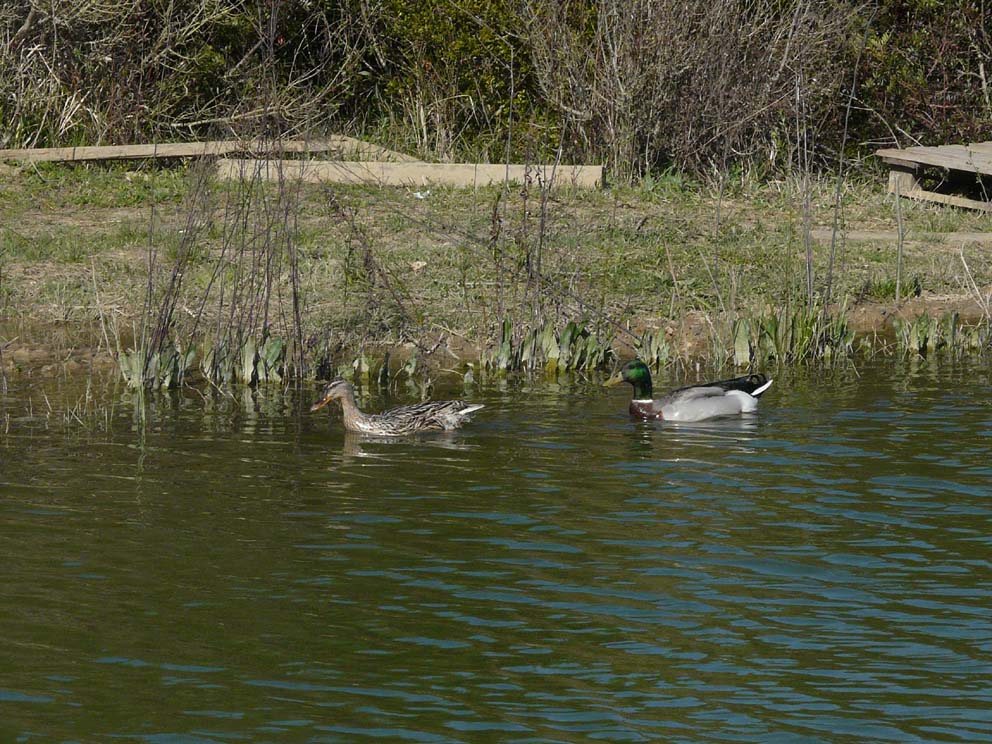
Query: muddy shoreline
[68, 349]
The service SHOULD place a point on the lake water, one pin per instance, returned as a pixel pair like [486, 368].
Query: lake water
[241, 571]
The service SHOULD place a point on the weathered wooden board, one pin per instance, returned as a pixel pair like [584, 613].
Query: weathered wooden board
[342, 146]
[416, 175]
[908, 163]
[951, 199]
[954, 157]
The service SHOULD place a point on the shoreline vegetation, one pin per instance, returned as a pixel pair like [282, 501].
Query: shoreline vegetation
[744, 222]
[177, 277]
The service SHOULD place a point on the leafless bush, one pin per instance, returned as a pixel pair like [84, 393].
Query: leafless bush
[119, 71]
[254, 292]
[697, 85]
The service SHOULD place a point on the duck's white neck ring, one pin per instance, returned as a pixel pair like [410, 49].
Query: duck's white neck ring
[647, 400]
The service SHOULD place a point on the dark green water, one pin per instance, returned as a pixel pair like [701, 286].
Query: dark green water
[819, 572]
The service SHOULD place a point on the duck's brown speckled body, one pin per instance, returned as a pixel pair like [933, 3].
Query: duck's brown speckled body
[441, 415]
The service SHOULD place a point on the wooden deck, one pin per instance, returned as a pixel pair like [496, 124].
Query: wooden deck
[906, 166]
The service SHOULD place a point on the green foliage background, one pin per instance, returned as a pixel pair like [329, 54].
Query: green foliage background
[471, 79]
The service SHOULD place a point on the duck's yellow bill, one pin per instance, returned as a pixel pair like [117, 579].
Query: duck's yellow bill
[319, 404]
[615, 380]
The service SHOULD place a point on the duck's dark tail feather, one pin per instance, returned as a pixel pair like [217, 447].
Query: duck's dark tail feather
[751, 384]
[754, 384]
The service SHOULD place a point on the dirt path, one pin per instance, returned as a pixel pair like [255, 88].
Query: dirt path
[890, 236]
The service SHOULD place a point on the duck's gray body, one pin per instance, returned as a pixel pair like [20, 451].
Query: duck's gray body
[694, 402]
[699, 403]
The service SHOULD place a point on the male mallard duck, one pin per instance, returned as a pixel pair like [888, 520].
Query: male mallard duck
[439, 415]
[692, 403]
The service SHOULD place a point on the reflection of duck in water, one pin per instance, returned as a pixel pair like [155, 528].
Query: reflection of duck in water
[692, 403]
[439, 415]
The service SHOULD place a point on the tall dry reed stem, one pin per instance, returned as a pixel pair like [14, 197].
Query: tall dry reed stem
[156, 330]
[984, 300]
[840, 159]
[254, 292]
[3, 369]
[900, 239]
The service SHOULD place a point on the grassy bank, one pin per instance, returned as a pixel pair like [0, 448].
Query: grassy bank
[99, 261]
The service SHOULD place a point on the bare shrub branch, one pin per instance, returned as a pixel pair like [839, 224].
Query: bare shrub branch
[663, 82]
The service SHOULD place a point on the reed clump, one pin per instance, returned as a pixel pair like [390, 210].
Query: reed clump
[573, 348]
[778, 336]
[255, 361]
[165, 368]
[925, 335]
[655, 349]
[791, 335]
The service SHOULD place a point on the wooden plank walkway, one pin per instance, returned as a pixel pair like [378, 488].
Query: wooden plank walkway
[419, 175]
[352, 161]
[341, 146]
[906, 166]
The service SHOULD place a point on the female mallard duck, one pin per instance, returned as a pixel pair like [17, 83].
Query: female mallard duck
[692, 403]
[439, 415]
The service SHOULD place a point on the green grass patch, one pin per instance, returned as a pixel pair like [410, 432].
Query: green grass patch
[100, 186]
[62, 247]
[73, 245]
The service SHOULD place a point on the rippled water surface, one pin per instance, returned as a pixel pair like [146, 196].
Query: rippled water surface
[242, 571]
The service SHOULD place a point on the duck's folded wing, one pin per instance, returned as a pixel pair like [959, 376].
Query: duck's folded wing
[701, 403]
[691, 393]
[441, 414]
[754, 384]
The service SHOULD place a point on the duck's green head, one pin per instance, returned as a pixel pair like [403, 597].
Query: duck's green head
[637, 374]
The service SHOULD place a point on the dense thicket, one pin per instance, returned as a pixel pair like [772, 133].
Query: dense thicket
[638, 84]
